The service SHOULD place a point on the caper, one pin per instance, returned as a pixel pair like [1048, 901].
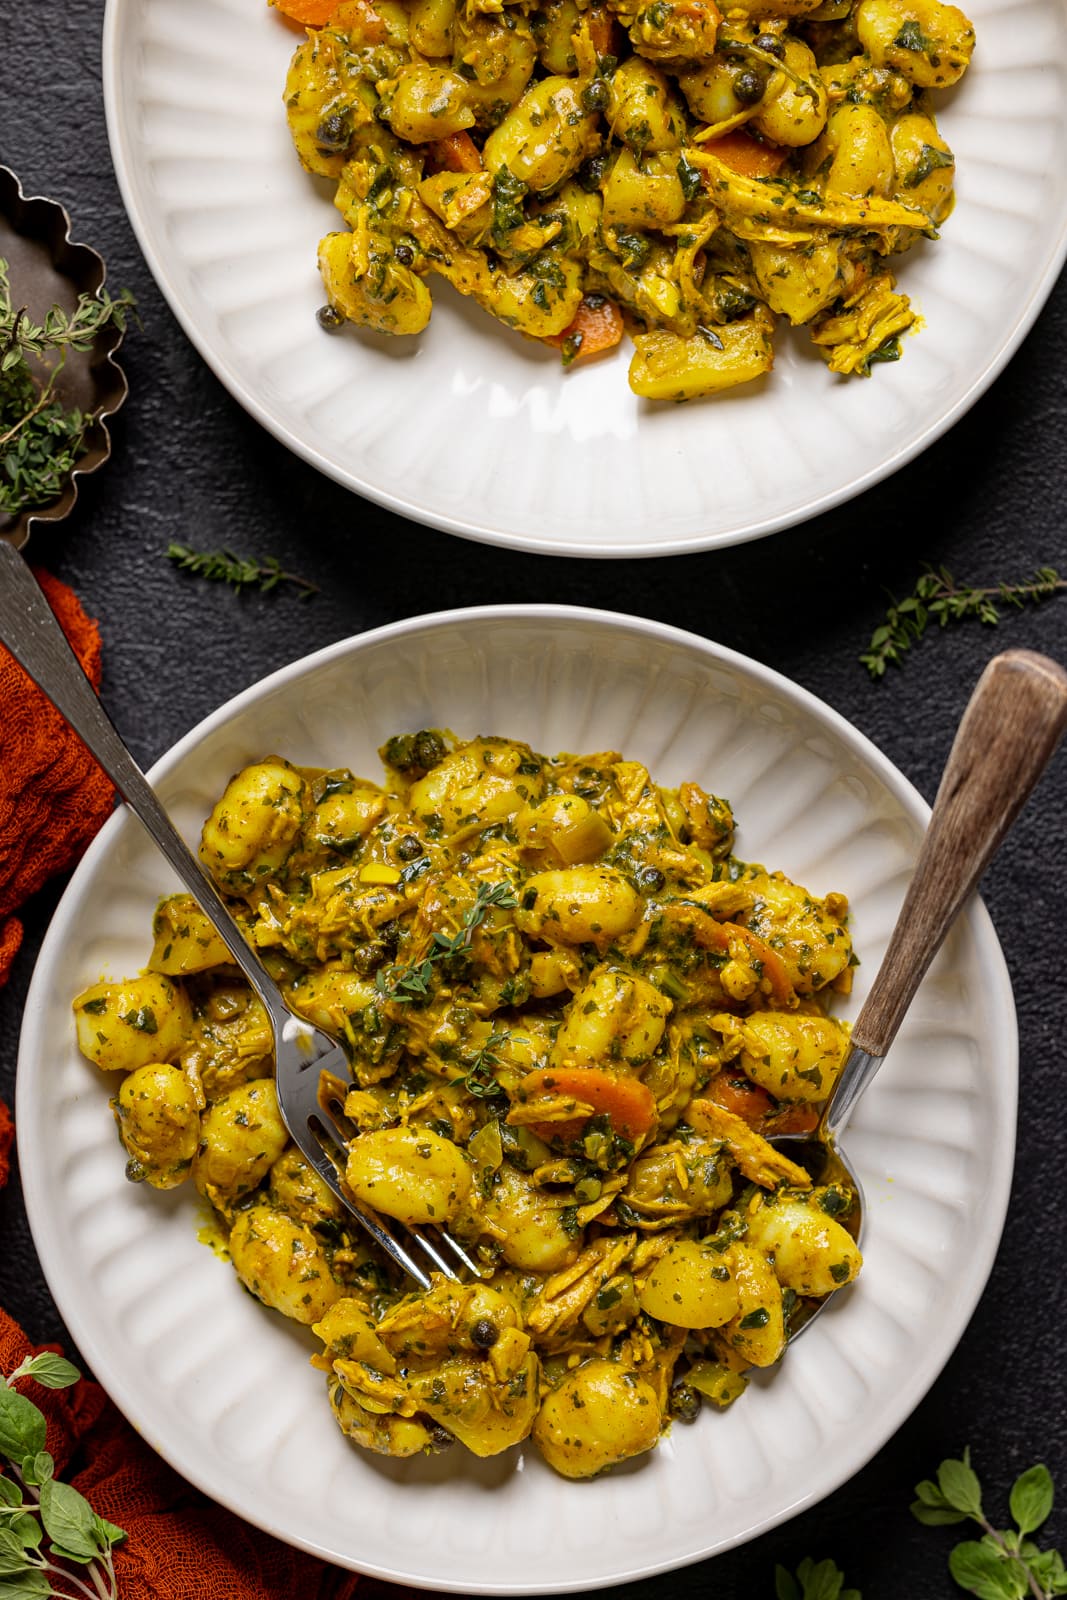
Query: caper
[749, 86]
[591, 173]
[484, 1334]
[404, 254]
[408, 847]
[330, 318]
[650, 880]
[597, 96]
[429, 748]
[367, 958]
[684, 1403]
[770, 44]
[334, 131]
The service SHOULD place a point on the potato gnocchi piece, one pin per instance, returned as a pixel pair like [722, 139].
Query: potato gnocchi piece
[159, 1124]
[123, 1026]
[241, 1137]
[598, 1415]
[280, 1261]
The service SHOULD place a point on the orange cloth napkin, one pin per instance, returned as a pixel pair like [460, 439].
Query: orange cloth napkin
[179, 1545]
[53, 796]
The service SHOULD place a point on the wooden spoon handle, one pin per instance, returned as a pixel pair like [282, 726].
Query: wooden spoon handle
[1010, 729]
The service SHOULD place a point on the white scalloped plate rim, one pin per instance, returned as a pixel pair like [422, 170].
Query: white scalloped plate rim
[44, 1097]
[899, 433]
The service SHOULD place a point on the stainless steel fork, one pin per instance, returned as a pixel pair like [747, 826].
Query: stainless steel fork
[312, 1070]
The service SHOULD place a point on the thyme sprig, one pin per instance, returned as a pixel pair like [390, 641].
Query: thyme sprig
[40, 440]
[479, 1080]
[46, 1527]
[937, 597]
[405, 984]
[240, 572]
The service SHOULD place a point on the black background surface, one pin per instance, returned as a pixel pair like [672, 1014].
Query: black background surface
[987, 501]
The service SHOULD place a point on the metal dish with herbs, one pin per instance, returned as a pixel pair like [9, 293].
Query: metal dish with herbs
[574, 1018]
[577, 166]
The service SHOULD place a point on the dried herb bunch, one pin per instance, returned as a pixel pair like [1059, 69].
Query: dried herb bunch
[40, 440]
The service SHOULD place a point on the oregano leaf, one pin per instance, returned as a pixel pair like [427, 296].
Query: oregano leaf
[68, 1520]
[52, 1371]
[29, 1585]
[979, 1569]
[959, 1484]
[106, 1532]
[785, 1585]
[22, 1426]
[1031, 1498]
[936, 1516]
[72, 1555]
[10, 1493]
[26, 1529]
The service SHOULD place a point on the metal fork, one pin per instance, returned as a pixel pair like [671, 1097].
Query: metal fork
[312, 1070]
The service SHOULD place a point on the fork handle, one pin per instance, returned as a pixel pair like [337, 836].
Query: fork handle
[1010, 729]
[29, 629]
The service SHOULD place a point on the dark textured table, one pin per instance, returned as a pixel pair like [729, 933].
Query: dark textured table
[987, 502]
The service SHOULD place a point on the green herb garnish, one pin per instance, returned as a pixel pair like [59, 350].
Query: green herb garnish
[46, 1527]
[240, 572]
[937, 597]
[412, 983]
[1005, 1564]
[40, 440]
[814, 1581]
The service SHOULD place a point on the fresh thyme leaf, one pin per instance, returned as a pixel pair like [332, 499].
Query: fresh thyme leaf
[40, 441]
[478, 1079]
[240, 572]
[404, 984]
[937, 597]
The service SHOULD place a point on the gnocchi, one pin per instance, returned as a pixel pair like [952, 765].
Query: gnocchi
[688, 172]
[575, 1019]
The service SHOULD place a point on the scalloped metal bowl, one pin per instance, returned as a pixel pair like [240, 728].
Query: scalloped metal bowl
[48, 268]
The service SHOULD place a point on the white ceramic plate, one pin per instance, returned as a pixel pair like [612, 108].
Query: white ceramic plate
[477, 431]
[222, 1387]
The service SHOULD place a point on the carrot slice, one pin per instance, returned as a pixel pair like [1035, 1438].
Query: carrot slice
[745, 155]
[456, 153]
[791, 1119]
[597, 326]
[736, 1094]
[712, 935]
[604, 31]
[312, 13]
[628, 1103]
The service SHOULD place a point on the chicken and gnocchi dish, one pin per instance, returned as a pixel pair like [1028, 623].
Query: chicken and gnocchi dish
[690, 171]
[575, 1021]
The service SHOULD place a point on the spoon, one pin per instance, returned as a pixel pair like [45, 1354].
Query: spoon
[1009, 731]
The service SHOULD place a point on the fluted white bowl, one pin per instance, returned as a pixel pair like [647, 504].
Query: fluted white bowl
[471, 428]
[222, 1387]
